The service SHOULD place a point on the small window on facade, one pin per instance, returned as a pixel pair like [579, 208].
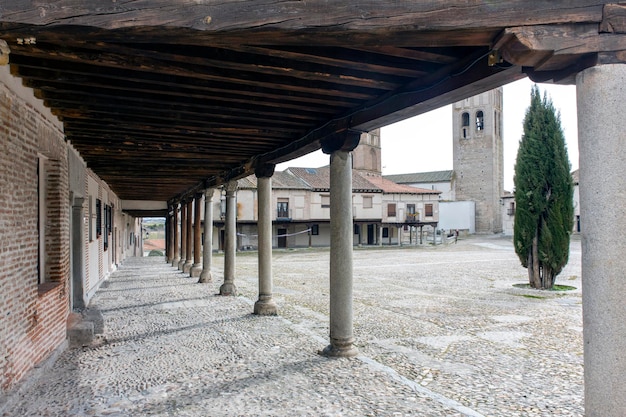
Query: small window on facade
[511, 209]
[325, 201]
[480, 120]
[283, 208]
[391, 210]
[315, 229]
[410, 212]
[367, 201]
[428, 210]
[107, 217]
[465, 122]
[357, 229]
[91, 218]
[385, 232]
[98, 218]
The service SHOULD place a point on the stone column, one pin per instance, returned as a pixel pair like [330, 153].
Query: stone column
[207, 244]
[176, 238]
[189, 235]
[265, 305]
[341, 229]
[168, 222]
[183, 235]
[196, 268]
[601, 100]
[230, 240]
[380, 235]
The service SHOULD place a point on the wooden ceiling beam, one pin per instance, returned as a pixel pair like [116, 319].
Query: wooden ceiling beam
[232, 15]
[210, 70]
[537, 46]
[177, 86]
[104, 101]
[296, 54]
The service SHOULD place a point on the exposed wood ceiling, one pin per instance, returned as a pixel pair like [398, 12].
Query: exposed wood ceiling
[164, 98]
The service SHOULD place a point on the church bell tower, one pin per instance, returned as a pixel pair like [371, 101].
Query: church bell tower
[478, 157]
[366, 156]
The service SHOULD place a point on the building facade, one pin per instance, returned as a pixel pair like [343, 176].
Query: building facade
[63, 232]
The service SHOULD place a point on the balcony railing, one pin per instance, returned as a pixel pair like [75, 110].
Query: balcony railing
[510, 211]
[283, 214]
[412, 218]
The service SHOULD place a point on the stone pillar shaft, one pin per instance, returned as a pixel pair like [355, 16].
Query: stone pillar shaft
[176, 238]
[196, 268]
[230, 243]
[341, 337]
[189, 245]
[265, 305]
[183, 235]
[601, 100]
[207, 244]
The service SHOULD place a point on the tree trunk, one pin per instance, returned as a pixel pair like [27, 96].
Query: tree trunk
[536, 271]
[548, 278]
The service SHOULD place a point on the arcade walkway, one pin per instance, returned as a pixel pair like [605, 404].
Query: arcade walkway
[441, 332]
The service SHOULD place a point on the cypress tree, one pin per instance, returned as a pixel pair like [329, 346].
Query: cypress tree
[543, 194]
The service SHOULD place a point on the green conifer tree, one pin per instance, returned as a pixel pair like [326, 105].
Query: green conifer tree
[543, 194]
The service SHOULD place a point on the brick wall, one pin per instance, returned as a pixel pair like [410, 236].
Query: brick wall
[32, 315]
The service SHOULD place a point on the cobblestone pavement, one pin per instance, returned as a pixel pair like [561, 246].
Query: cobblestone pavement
[441, 331]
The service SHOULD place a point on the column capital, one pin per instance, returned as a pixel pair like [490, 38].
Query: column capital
[264, 170]
[343, 141]
[231, 187]
[208, 193]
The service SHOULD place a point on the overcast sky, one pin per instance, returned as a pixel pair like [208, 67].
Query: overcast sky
[424, 143]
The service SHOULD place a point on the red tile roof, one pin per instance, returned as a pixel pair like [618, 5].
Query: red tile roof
[390, 187]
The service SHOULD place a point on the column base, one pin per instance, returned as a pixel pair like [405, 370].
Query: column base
[340, 349]
[181, 263]
[187, 267]
[195, 271]
[175, 262]
[265, 306]
[205, 276]
[228, 288]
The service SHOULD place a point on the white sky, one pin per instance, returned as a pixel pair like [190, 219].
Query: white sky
[424, 143]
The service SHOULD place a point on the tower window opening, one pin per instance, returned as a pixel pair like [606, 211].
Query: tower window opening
[465, 122]
[480, 120]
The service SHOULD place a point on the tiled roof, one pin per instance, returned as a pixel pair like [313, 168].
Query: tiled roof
[417, 177]
[280, 180]
[390, 187]
[319, 179]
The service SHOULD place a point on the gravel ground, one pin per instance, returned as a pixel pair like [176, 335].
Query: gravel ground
[441, 331]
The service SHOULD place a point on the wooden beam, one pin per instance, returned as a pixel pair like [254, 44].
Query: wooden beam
[537, 46]
[613, 19]
[43, 60]
[72, 79]
[342, 15]
[413, 99]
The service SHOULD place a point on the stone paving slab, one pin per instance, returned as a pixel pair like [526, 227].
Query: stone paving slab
[441, 332]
